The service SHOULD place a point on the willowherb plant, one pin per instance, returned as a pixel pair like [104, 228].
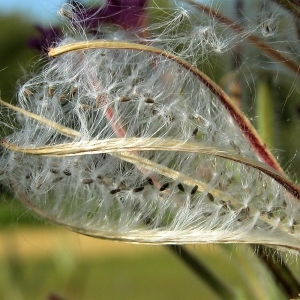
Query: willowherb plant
[122, 138]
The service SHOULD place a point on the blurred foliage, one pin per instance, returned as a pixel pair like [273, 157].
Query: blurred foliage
[150, 273]
[15, 56]
[12, 212]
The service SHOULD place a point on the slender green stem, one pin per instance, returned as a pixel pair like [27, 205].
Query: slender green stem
[265, 112]
[223, 291]
[281, 273]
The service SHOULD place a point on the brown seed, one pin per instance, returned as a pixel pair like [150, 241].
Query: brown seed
[115, 191]
[180, 187]
[57, 179]
[66, 13]
[180, 19]
[164, 186]
[40, 184]
[194, 190]
[243, 214]
[87, 181]
[54, 171]
[148, 221]
[149, 100]
[170, 117]
[67, 172]
[223, 203]
[138, 189]
[51, 91]
[125, 99]
[210, 197]
[195, 131]
[63, 97]
[85, 106]
[149, 180]
[28, 92]
[207, 214]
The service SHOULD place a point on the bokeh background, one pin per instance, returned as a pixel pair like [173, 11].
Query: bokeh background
[39, 260]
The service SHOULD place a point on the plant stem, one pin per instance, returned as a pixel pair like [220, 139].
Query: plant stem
[281, 273]
[241, 121]
[265, 112]
[269, 51]
[292, 6]
[223, 291]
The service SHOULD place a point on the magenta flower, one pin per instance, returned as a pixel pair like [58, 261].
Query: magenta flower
[128, 14]
[47, 37]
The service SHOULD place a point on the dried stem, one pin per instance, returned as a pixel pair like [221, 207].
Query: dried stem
[62, 129]
[118, 146]
[242, 122]
[122, 147]
[276, 55]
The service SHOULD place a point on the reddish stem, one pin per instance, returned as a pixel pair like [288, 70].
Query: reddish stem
[278, 56]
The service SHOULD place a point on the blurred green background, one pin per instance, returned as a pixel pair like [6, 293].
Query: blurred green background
[39, 260]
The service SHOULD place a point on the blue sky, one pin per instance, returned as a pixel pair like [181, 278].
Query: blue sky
[40, 10]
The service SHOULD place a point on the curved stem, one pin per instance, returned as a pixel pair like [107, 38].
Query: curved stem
[276, 55]
[292, 6]
[54, 125]
[122, 147]
[242, 122]
[223, 291]
[281, 273]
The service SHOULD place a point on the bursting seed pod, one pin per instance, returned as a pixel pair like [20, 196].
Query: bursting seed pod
[129, 142]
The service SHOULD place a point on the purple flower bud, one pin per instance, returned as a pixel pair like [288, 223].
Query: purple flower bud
[47, 37]
[126, 13]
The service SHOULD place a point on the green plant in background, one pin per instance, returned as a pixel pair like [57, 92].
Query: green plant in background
[121, 136]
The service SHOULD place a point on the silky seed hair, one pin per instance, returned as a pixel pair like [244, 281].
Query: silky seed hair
[197, 35]
[102, 192]
[181, 170]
